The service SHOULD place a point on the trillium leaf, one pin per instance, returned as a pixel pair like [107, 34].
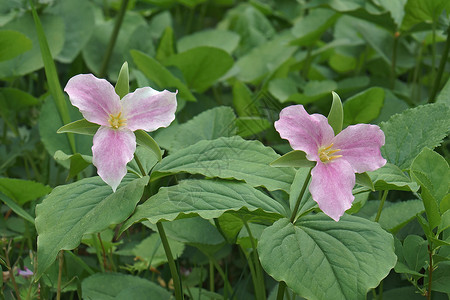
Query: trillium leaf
[364, 107]
[412, 130]
[319, 258]
[363, 179]
[78, 162]
[16, 208]
[83, 207]
[336, 115]
[143, 139]
[82, 126]
[123, 81]
[13, 43]
[295, 159]
[23, 191]
[223, 39]
[228, 157]
[390, 177]
[207, 198]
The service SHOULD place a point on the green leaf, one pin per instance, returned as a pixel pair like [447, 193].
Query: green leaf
[143, 139]
[364, 179]
[398, 214]
[23, 191]
[415, 252]
[243, 100]
[222, 39]
[201, 66]
[160, 75]
[409, 132]
[108, 286]
[336, 115]
[431, 171]
[418, 11]
[249, 126]
[390, 177]
[311, 27]
[207, 198]
[208, 125]
[123, 82]
[151, 251]
[319, 258]
[82, 126]
[79, 23]
[16, 208]
[314, 91]
[78, 162]
[166, 47]
[396, 9]
[231, 157]
[295, 159]
[364, 107]
[13, 43]
[31, 60]
[83, 207]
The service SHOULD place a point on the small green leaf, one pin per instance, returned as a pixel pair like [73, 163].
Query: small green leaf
[143, 139]
[390, 177]
[165, 48]
[13, 43]
[123, 83]
[223, 39]
[364, 179]
[336, 115]
[364, 107]
[319, 258]
[295, 159]
[398, 214]
[151, 251]
[23, 191]
[82, 126]
[16, 208]
[78, 162]
[415, 252]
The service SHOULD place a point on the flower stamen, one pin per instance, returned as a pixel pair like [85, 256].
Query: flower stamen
[117, 121]
[326, 153]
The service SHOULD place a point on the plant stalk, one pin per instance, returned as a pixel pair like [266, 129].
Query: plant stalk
[260, 290]
[380, 208]
[299, 199]
[430, 272]
[281, 290]
[172, 266]
[60, 262]
[437, 81]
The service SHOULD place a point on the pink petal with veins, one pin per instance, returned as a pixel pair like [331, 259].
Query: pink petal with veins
[95, 98]
[111, 151]
[148, 109]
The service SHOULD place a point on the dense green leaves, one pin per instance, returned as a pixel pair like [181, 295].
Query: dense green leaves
[231, 157]
[23, 191]
[13, 43]
[319, 258]
[83, 207]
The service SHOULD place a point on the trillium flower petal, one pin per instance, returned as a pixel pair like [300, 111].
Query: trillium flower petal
[148, 109]
[111, 151]
[95, 98]
[303, 131]
[331, 187]
[360, 146]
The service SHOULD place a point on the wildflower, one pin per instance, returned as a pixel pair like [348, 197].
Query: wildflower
[25, 273]
[114, 142]
[356, 149]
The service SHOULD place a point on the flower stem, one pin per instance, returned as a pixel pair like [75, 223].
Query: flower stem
[11, 271]
[437, 81]
[260, 290]
[394, 60]
[113, 38]
[299, 199]
[281, 290]
[430, 271]
[380, 208]
[61, 262]
[172, 266]
[140, 166]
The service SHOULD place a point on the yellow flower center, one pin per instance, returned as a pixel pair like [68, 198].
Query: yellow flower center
[117, 121]
[326, 153]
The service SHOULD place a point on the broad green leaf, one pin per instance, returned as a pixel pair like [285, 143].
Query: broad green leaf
[390, 177]
[415, 252]
[159, 74]
[82, 126]
[409, 132]
[441, 278]
[165, 48]
[314, 91]
[398, 214]
[223, 39]
[364, 180]
[231, 157]
[396, 9]
[207, 198]
[23, 191]
[151, 251]
[311, 27]
[118, 286]
[13, 43]
[342, 62]
[445, 222]
[147, 158]
[83, 207]
[78, 162]
[295, 159]
[201, 66]
[15, 99]
[282, 88]
[336, 114]
[134, 34]
[418, 11]
[208, 125]
[16, 208]
[123, 81]
[265, 59]
[32, 60]
[50, 122]
[431, 171]
[143, 139]
[444, 94]
[364, 107]
[319, 258]
[200, 231]
[243, 101]
[249, 126]
[79, 23]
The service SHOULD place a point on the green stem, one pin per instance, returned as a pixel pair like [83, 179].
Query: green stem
[105, 264]
[394, 60]
[380, 208]
[444, 58]
[299, 199]
[172, 266]
[61, 262]
[281, 289]
[140, 166]
[113, 38]
[211, 276]
[260, 290]
[97, 252]
[433, 52]
[430, 271]
[11, 271]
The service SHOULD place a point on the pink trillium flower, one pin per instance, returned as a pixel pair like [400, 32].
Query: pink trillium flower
[356, 149]
[114, 142]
